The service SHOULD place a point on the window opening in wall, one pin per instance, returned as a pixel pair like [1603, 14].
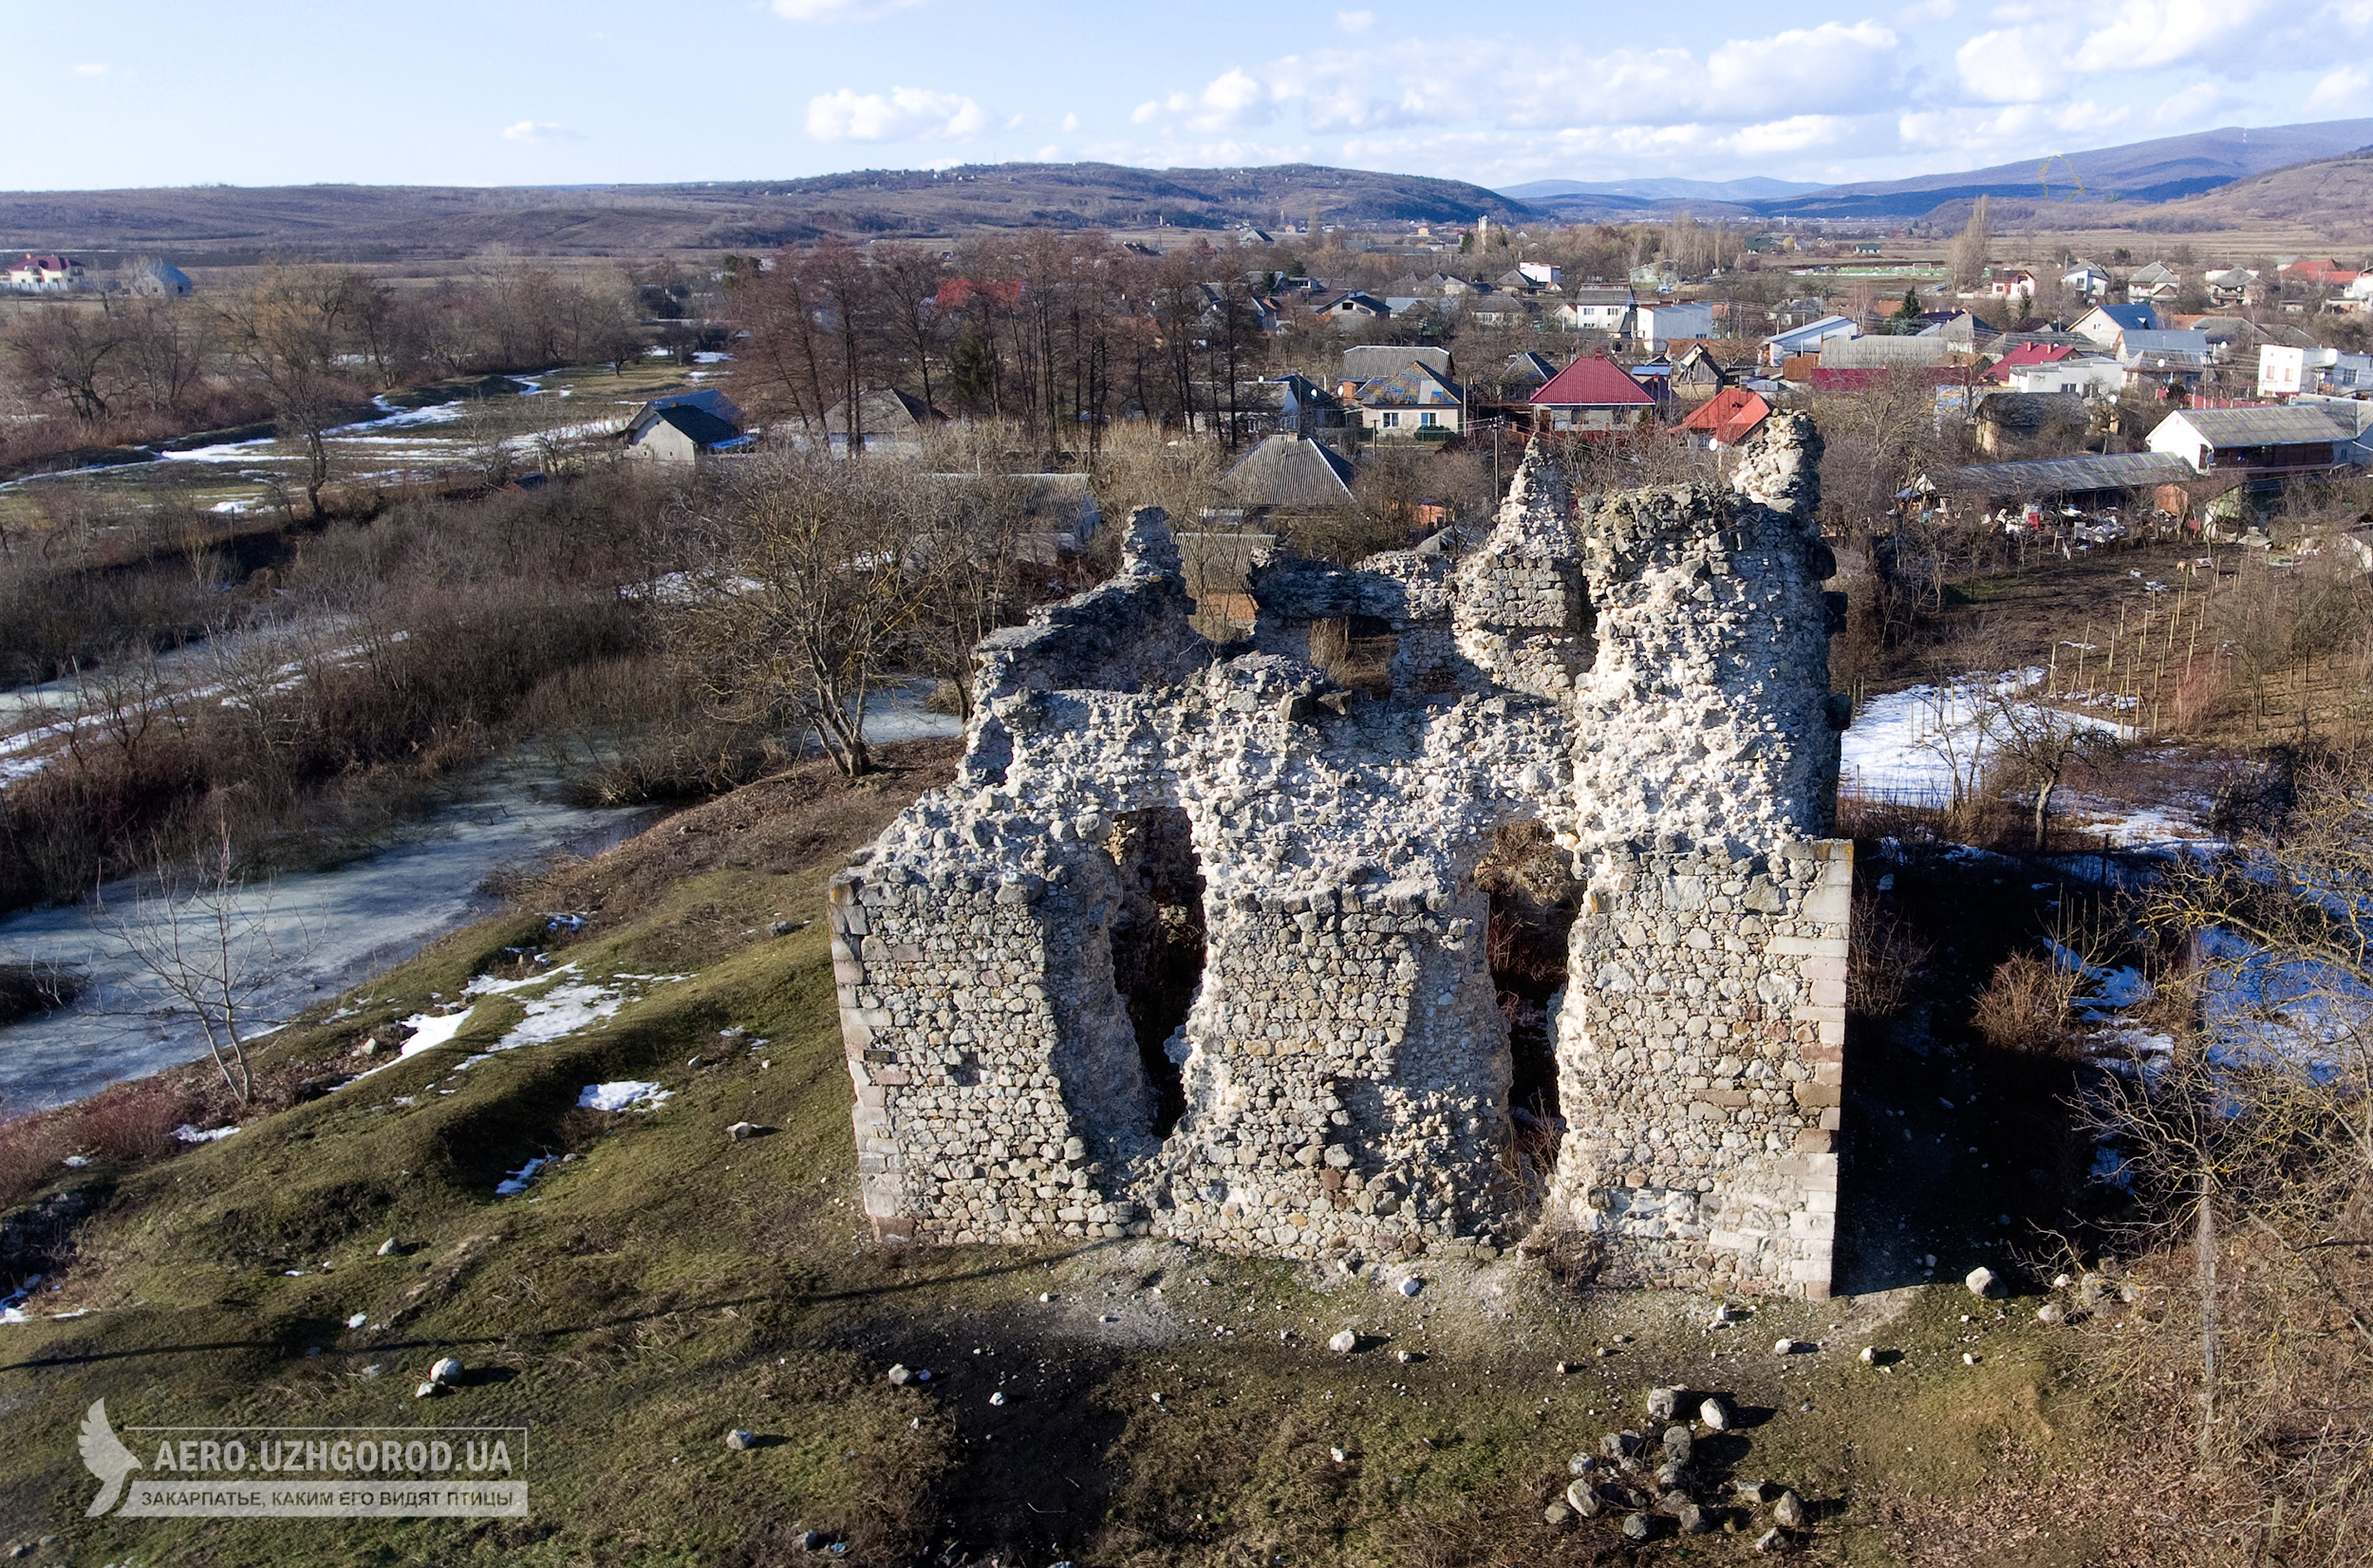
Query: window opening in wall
[1158, 945]
[1534, 898]
[1355, 651]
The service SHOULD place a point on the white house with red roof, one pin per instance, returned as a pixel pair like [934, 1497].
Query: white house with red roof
[1594, 394]
[50, 274]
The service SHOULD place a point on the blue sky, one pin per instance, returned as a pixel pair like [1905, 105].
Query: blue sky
[507, 92]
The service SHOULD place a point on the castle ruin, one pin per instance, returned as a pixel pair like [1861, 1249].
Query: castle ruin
[1533, 924]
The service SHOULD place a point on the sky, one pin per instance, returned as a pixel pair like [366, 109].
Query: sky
[535, 92]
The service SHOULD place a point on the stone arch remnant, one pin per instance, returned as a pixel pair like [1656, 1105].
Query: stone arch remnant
[1637, 682]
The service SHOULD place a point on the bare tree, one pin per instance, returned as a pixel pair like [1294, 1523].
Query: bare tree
[289, 331]
[212, 948]
[1972, 246]
[812, 579]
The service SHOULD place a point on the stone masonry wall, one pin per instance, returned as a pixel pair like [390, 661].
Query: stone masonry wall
[1644, 675]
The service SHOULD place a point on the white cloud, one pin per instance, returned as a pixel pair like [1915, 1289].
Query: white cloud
[537, 130]
[2145, 33]
[838, 10]
[1354, 21]
[1834, 65]
[90, 71]
[904, 114]
[1232, 101]
[2020, 65]
[2342, 92]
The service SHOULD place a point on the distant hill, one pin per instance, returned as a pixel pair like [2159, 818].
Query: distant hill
[373, 222]
[2333, 194]
[2166, 169]
[1757, 187]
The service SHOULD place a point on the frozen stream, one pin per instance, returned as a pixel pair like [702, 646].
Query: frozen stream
[348, 924]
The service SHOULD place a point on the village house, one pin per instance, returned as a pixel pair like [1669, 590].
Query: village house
[2235, 286]
[1807, 339]
[2009, 424]
[1593, 393]
[2104, 325]
[1414, 402]
[1657, 325]
[1525, 371]
[2095, 378]
[1351, 309]
[681, 429]
[47, 274]
[889, 421]
[1304, 407]
[2156, 281]
[2086, 281]
[1728, 419]
[162, 280]
[1596, 310]
[2299, 438]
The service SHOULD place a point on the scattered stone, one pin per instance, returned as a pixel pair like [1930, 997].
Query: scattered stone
[740, 1130]
[2129, 1293]
[900, 1376]
[1345, 1343]
[1408, 1356]
[1983, 1283]
[1673, 1473]
[1337, 1455]
[374, 1370]
[1672, 1500]
[1619, 1445]
[1583, 1464]
[447, 1371]
[1045, 1296]
[1696, 1521]
[784, 928]
[997, 1398]
[427, 1391]
[1602, 1351]
[1715, 1414]
[741, 1442]
[1410, 1286]
[1566, 1369]
[1582, 1497]
[1637, 1527]
[2051, 1314]
[391, 1248]
[1788, 1513]
[1662, 1402]
[2092, 1290]
[1969, 1358]
[812, 1540]
[1870, 1355]
[1753, 1493]
[1768, 1540]
[1557, 1513]
[1789, 1347]
[1678, 1444]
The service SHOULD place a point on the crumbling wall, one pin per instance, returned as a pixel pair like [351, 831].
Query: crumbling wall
[1643, 675]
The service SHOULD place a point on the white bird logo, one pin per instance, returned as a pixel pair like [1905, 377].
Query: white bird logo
[105, 1457]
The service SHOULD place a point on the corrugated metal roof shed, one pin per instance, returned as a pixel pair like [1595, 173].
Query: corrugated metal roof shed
[2289, 425]
[1289, 470]
[2071, 475]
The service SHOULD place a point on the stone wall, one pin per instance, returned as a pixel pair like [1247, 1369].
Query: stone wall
[1644, 675]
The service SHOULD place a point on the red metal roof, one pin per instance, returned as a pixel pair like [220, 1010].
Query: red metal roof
[1729, 416]
[1594, 383]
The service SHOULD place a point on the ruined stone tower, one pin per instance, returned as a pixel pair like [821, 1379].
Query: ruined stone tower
[1207, 943]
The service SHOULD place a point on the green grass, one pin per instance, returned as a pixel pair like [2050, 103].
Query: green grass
[668, 1284]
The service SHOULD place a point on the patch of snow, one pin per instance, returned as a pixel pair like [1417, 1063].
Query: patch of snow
[627, 1094]
[190, 1134]
[517, 1181]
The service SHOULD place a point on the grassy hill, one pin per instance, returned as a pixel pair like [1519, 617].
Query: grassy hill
[387, 222]
[660, 1284]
